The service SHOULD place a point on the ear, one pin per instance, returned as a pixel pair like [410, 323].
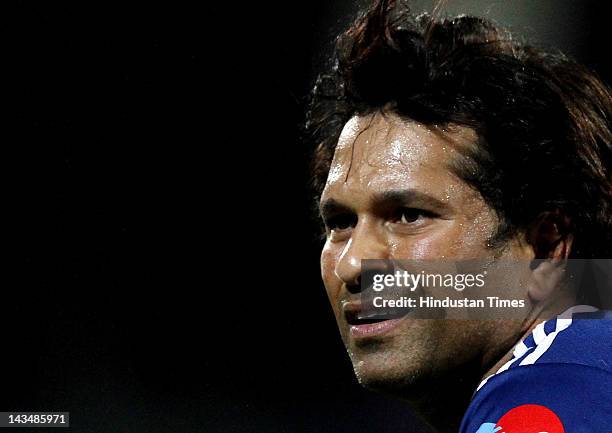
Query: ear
[550, 236]
[546, 278]
[551, 239]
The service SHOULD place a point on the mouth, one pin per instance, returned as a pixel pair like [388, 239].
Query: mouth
[364, 327]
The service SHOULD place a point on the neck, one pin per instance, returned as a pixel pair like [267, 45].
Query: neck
[537, 316]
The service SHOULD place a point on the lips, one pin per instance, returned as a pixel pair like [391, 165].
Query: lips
[366, 327]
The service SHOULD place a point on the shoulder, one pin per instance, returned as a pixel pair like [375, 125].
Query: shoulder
[560, 373]
[584, 338]
[562, 397]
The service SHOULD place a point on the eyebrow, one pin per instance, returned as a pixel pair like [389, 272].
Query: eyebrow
[333, 207]
[408, 197]
[387, 199]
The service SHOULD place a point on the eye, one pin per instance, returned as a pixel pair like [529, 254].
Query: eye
[409, 215]
[341, 222]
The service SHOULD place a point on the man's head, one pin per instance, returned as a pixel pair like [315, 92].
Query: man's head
[391, 193]
[446, 138]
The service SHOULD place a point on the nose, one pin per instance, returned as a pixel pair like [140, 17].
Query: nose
[365, 243]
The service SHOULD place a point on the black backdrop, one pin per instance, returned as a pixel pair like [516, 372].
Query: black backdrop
[164, 274]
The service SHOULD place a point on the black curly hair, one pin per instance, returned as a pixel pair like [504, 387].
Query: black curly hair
[543, 120]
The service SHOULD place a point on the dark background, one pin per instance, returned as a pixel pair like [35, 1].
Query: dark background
[164, 266]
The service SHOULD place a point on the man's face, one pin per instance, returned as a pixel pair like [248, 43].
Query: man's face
[390, 194]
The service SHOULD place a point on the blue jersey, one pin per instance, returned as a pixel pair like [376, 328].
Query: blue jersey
[559, 380]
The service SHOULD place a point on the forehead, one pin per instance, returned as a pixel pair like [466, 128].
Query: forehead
[383, 151]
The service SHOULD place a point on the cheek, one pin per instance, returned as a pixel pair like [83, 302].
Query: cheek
[329, 258]
[435, 244]
[413, 250]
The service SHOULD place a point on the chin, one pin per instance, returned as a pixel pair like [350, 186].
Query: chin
[387, 374]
